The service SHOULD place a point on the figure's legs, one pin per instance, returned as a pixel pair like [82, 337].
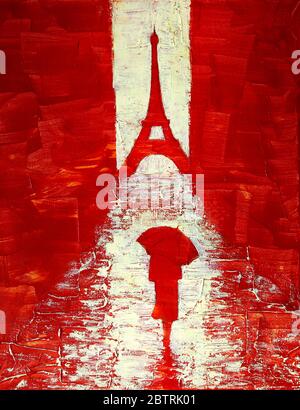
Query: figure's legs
[166, 301]
[166, 306]
[167, 327]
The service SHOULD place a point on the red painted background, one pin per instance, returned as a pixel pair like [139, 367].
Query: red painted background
[57, 116]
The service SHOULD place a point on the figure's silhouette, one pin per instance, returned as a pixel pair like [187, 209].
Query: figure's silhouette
[166, 376]
[169, 249]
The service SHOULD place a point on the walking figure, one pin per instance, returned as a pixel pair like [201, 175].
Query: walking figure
[169, 250]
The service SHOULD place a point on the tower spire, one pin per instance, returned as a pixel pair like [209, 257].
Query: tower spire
[156, 109]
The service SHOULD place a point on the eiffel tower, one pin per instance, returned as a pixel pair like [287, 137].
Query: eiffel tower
[156, 117]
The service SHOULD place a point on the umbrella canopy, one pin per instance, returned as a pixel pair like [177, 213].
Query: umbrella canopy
[170, 243]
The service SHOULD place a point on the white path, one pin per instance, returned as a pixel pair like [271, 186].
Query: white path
[125, 351]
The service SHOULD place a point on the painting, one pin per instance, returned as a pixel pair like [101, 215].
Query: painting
[149, 195]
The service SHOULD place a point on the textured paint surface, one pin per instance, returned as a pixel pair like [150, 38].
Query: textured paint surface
[133, 23]
[73, 280]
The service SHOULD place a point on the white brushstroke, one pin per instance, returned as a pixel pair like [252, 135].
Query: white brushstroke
[132, 296]
[127, 356]
[133, 23]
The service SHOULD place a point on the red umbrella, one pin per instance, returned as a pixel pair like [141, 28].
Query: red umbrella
[170, 243]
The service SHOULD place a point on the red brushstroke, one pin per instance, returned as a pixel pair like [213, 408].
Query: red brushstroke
[57, 116]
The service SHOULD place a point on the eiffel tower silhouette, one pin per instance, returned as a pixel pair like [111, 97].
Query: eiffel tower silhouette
[156, 117]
